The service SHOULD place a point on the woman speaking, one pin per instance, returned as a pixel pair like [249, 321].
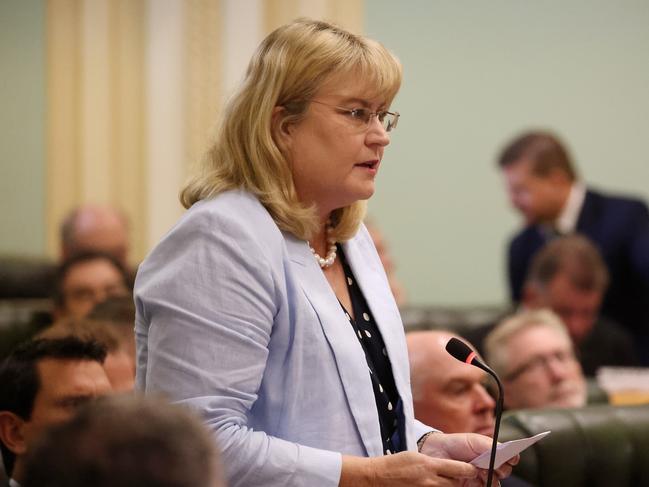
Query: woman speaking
[266, 308]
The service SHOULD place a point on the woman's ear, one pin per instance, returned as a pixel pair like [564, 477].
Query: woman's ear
[281, 128]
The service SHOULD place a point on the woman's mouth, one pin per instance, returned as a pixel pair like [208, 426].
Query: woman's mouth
[369, 165]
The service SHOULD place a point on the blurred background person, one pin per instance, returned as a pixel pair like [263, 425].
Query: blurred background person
[96, 228]
[569, 277]
[383, 249]
[85, 280]
[543, 186]
[126, 441]
[119, 364]
[449, 393]
[43, 382]
[119, 313]
[445, 392]
[533, 355]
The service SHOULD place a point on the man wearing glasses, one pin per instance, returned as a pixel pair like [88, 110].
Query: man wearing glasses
[533, 354]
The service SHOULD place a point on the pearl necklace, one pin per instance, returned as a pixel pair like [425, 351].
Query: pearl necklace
[330, 258]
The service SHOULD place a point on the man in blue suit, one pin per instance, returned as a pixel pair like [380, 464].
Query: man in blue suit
[543, 186]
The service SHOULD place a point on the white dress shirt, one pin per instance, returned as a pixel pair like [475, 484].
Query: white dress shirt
[566, 223]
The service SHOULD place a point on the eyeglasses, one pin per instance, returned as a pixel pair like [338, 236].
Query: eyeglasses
[362, 116]
[539, 362]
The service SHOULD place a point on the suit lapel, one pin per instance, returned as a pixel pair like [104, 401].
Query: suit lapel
[348, 353]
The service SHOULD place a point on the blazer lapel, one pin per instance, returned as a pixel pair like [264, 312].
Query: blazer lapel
[348, 353]
[371, 278]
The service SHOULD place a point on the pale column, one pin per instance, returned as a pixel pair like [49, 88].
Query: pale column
[95, 112]
[128, 165]
[204, 59]
[242, 33]
[346, 13]
[95, 116]
[278, 12]
[62, 117]
[165, 132]
[315, 9]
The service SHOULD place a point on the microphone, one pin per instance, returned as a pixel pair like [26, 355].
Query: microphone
[462, 352]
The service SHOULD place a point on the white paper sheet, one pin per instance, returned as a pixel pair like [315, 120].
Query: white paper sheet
[507, 450]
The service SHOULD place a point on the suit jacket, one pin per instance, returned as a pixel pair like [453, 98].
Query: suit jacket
[619, 227]
[236, 319]
[607, 344]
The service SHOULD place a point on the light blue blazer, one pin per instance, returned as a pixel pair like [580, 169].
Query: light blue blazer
[236, 319]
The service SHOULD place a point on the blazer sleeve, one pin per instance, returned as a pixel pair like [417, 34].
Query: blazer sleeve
[206, 299]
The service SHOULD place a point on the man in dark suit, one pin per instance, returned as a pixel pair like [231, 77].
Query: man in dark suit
[543, 186]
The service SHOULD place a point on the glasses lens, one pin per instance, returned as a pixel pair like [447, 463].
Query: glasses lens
[390, 121]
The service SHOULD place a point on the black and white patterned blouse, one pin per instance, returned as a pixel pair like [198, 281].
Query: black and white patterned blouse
[388, 402]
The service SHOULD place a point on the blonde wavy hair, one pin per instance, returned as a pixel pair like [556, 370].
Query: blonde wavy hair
[287, 70]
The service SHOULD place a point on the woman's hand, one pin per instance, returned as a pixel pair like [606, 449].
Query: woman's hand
[407, 469]
[465, 447]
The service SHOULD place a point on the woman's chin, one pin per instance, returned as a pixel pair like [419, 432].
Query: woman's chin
[366, 192]
[362, 194]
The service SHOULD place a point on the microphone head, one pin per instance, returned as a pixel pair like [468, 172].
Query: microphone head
[460, 350]
[464, 353]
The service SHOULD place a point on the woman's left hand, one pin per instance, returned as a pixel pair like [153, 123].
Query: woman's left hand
[465, 447]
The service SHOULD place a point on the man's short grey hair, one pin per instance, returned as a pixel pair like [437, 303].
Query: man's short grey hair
[496, 343]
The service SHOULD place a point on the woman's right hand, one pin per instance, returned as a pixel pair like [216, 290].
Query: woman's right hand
[408, 469]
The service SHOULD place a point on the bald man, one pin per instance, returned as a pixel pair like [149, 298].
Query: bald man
[447, 393]
[95, 228]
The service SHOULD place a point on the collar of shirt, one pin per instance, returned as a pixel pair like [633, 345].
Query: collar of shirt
[13, 483]
[567, 221]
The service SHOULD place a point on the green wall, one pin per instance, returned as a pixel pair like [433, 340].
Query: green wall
[477, 73]
[22, 113]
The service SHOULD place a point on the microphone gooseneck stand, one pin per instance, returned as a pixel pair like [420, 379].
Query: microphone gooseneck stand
[463, 353]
